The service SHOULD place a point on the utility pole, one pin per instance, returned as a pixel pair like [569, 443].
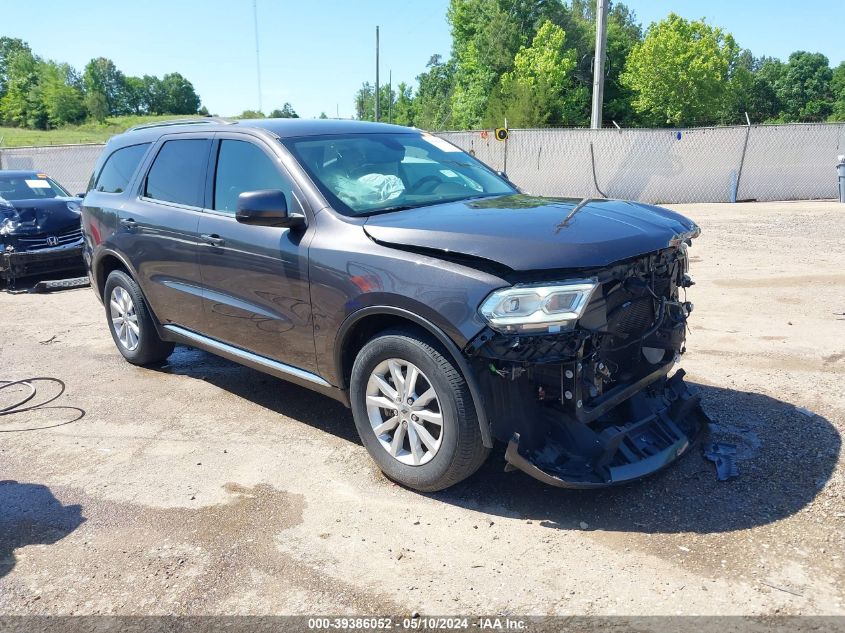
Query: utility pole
[378, 105]
[390, 97]
[257, 57]
[598, 70]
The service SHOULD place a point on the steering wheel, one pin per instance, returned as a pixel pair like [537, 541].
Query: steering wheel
[363, 169]
[425, 179]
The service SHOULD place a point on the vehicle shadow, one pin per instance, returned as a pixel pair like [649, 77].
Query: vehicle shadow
[784, 459]
[272, 393]
[31, 515]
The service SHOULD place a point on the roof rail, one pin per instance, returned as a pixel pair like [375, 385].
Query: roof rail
[198, 121]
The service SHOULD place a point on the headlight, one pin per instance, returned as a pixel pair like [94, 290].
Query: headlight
[530, 308]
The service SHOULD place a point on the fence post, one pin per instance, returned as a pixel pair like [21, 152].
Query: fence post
[505, 161]
[735, 192]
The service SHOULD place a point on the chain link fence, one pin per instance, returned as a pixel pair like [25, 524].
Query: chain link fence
[718, 164]
[69, 165]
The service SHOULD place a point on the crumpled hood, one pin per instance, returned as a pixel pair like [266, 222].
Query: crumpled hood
[32, 217]
[529, 233]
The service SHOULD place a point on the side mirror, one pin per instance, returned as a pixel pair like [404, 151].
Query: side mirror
[266, 207]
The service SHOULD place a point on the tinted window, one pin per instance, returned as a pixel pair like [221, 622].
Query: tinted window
[242, 166]
[118, 170]
[178, 172]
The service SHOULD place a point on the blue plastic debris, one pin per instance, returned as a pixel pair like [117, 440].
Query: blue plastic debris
[724, 456]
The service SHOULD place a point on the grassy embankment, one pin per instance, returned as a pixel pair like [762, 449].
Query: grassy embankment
[90, 132]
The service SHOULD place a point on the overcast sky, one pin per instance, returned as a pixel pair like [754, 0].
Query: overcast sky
[316, 54]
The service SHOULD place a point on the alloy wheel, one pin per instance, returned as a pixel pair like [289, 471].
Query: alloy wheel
[124, 318]
[404, 412]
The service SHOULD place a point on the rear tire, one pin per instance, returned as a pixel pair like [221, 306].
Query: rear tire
[439, 438]
[130, 322]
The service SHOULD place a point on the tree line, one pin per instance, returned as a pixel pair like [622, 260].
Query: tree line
[531, 62]
[42, 94]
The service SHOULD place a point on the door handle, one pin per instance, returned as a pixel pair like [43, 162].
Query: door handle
[129, 223]
[213, 239]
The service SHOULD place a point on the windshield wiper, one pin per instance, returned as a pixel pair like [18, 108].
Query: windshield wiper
[398, 207]
[405, 207]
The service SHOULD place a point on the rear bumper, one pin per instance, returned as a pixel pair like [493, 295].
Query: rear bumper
[25, 263]
[667, 419]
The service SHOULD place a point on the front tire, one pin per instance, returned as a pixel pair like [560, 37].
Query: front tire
[413, 411]
[130, 322]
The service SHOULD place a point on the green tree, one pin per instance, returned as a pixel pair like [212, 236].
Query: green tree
[804, 88]
[154, 95]
[837, 88]
[433, 103]
[679, 72]
[763, 104]
[323, 116]
[623, 33]
[135, 95]
[365, 102]
[102, 76]
[250, 114]
[8, 47]
[486, 35]
[287, 112]
[62, 94]
[539, 90]
[179, 95]
[96, 105]
[403, 109]
[23, 103]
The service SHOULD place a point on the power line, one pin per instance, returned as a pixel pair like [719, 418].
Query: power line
[378, 105]
[257, 52]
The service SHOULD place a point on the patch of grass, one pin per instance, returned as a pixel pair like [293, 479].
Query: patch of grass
[91, 132]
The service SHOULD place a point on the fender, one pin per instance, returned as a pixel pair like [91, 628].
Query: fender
[441, 336]
[98, 255]
[95, 286]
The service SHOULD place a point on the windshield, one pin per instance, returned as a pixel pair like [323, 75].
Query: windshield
[361, 174]
[30, 187]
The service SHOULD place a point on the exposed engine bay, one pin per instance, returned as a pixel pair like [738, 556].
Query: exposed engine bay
[594, 405]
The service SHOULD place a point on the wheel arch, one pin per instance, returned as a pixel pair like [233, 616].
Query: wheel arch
[362, 325]
[107, 262]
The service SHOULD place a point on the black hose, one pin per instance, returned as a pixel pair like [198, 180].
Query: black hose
[18, 406]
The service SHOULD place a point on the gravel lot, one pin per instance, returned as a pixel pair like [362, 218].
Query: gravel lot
[205, 487]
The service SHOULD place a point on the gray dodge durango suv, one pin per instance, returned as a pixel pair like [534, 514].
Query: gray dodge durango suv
[386, 268]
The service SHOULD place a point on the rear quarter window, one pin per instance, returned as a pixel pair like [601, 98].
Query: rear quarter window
[178, 172]
[120, 166]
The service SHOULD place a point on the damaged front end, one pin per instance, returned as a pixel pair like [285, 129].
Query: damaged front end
[36, 239]
[585, 399]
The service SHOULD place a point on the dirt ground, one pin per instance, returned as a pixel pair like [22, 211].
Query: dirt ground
[205, 488]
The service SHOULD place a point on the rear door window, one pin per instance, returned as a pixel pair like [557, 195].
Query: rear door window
[178, 172]
[119, 168]
[243, 166]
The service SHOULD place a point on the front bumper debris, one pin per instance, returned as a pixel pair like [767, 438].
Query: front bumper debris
[17, 264]
[593, 405]
[672, 421]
